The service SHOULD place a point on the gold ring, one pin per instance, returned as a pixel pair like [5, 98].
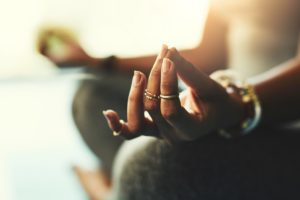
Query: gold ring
[117, 133]
[168, 97]
[151, 96]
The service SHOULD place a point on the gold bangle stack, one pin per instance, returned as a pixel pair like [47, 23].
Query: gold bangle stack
[231, 81]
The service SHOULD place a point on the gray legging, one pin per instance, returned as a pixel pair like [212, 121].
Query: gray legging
[103, 92]
[263, 165]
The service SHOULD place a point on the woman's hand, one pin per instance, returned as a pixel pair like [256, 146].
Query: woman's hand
[61, 47]
[202, 108]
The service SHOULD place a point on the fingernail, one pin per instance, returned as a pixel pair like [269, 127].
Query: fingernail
[164, 47]
[108, 119]
[166, 66]
[137, 76]
[104, 113]
[162, 51]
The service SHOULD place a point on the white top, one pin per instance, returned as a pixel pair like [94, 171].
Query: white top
[262, 33]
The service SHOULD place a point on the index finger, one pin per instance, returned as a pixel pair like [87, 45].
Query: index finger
[193, 77]
[188, 126]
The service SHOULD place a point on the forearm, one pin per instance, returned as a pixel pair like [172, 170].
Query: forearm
[127, 64]
[142, 63]
[208, 56]
[197, 56]
[279, 93]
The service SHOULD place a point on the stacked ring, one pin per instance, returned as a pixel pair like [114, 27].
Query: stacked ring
[151, 96]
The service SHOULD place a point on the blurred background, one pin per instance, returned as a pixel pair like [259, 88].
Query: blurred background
[39, 142]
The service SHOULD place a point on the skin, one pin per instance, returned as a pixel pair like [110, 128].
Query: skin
[277, 90]
[199, 107]
[209, 55]
[173, 118]
[196, 107]
[94, 182]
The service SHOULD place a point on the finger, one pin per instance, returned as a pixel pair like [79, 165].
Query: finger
[151, 100]
[171, 109]
[169, 87]
[119, 127]
[153, 90]
[193, 77]
[152, 104]
[113, 120]
[137, 123]
[149, 129]
[135, 105]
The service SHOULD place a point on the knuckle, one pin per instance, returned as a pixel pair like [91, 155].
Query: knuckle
[170, 114]
[151, 106]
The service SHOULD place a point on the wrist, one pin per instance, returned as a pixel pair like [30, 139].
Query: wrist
[107, 64]
[94, 62]
[244, 105]
[237, 110]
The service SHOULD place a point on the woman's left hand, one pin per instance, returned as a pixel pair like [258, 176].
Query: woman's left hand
[202, 108]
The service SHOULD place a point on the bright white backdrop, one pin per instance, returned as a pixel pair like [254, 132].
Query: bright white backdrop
[37, 134]
[123, 27]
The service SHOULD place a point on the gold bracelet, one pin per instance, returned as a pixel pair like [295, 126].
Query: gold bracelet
[231, 81]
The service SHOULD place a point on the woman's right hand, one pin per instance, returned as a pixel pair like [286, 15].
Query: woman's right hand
[204, 107]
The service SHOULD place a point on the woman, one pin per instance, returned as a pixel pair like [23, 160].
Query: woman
[253, 37]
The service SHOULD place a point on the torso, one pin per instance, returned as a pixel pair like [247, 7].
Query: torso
[262, 33]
